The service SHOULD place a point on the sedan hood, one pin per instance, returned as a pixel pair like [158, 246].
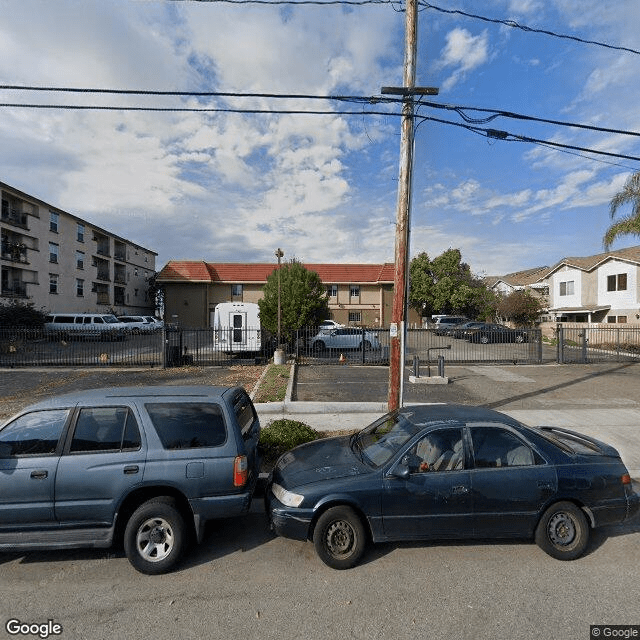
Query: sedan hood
[319, 460]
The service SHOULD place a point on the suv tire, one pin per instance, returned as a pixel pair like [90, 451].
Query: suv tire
[155, 536]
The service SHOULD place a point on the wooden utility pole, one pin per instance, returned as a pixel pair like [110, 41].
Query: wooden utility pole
[403, 216]
[398, 313]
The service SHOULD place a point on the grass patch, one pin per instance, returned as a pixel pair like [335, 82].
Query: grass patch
[273, 387]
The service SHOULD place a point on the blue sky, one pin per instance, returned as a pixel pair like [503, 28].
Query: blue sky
[233, 187]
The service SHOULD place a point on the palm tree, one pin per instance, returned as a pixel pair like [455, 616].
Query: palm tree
[629, 194]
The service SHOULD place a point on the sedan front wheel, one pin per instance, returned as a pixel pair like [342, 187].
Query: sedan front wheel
[339, 537]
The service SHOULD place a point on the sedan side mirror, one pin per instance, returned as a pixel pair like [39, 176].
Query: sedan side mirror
[401, 471]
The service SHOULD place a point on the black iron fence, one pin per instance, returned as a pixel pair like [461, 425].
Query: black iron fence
[597, 344]
[24, 347]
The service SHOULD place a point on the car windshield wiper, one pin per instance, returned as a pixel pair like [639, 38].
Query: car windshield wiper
[356, 446]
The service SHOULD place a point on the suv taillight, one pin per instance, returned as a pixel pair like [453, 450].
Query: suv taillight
[240, 471]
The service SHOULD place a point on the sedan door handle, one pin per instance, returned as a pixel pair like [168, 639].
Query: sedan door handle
[130, 470]
[460, 489]
[40, 474]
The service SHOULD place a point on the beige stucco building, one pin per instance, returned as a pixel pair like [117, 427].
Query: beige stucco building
[358, 294]
[62, 263]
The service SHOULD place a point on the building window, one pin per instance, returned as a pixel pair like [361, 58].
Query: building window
[355, 316]
[135, 293]
[236, 290]
[53, 252]
[79, 288]
[54, 218]
[611, 319]
[332, 291]
[354, 291]
[79, 259]
[617, 282]
[80, 233]
[622, 319]
[53, 283]
[566, 288]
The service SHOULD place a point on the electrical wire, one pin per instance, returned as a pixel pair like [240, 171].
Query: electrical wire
[516, 25]
[505, 136]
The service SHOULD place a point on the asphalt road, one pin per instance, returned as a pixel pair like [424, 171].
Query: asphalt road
[242, 583]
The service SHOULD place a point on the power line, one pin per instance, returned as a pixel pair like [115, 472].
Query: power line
[496, 113]
[505, 136]
[516, 25]
[489, 133]
[363, 100]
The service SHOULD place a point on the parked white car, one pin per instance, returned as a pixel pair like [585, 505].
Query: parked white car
[139, 324]
[344, 338]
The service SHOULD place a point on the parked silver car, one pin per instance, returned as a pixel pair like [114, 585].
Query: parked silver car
[344, 338]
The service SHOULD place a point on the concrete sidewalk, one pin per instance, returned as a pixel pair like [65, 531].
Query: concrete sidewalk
[600, 401]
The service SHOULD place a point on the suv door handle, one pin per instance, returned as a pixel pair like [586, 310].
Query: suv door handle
[131, 469]
[40, 474]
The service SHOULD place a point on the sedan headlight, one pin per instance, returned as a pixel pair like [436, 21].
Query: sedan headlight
[287, 498]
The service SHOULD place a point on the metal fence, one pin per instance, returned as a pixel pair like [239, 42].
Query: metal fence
[590, 344]
[371, 346]
[23, 347]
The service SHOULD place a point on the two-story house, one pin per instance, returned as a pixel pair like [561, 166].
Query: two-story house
[358, 294]
[600, 288]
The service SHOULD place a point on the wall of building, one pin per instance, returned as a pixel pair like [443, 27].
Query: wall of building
[59, 265]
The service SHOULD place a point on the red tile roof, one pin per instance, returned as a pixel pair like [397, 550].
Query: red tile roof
[200, 271]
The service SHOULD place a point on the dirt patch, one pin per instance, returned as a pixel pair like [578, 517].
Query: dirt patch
[21, 387]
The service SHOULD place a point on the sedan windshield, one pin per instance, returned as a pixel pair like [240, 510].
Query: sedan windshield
[380, 441]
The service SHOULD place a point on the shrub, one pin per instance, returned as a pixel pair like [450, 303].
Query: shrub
[281, 435]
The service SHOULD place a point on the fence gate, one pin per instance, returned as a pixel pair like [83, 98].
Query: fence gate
[597, 344]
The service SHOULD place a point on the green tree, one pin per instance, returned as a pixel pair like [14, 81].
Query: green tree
[446, 285]
[21, 314]
[630, 224]
[521, 307]
[303, 299]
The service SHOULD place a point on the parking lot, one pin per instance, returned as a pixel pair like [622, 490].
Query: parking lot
[244, 583]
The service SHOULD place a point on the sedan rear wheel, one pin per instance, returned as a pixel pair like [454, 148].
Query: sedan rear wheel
[339, 537]
[519, 338]
[484, 339]
[563, 531]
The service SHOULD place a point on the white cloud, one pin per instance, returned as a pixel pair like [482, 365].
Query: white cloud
[465, 52]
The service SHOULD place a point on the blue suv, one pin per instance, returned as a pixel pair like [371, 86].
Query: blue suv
[146, 466]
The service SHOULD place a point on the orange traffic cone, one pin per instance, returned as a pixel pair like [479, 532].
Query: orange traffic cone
[342, 359]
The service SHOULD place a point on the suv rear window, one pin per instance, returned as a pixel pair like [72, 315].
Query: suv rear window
[245, 413]
[188, 425]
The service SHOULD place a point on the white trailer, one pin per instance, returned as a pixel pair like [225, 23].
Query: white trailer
[236, 327]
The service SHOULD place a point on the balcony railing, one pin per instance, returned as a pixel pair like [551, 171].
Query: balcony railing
[17, 218]
[17, 290]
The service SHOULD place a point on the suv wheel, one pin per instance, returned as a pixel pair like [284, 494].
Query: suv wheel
[155, 536]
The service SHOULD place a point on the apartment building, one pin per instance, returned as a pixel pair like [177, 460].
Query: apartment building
[62, 263]
[600, 288]
[358, 294]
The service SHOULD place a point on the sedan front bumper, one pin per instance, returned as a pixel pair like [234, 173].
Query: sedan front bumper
[288, 522]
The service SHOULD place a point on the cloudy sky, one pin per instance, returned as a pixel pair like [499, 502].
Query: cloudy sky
[221, 186]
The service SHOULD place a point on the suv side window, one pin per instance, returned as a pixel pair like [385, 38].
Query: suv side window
[188, 425]
[105, 429]
[34, 433]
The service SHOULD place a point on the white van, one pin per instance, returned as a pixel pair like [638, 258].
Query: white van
[236, 327]
[85, 325]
